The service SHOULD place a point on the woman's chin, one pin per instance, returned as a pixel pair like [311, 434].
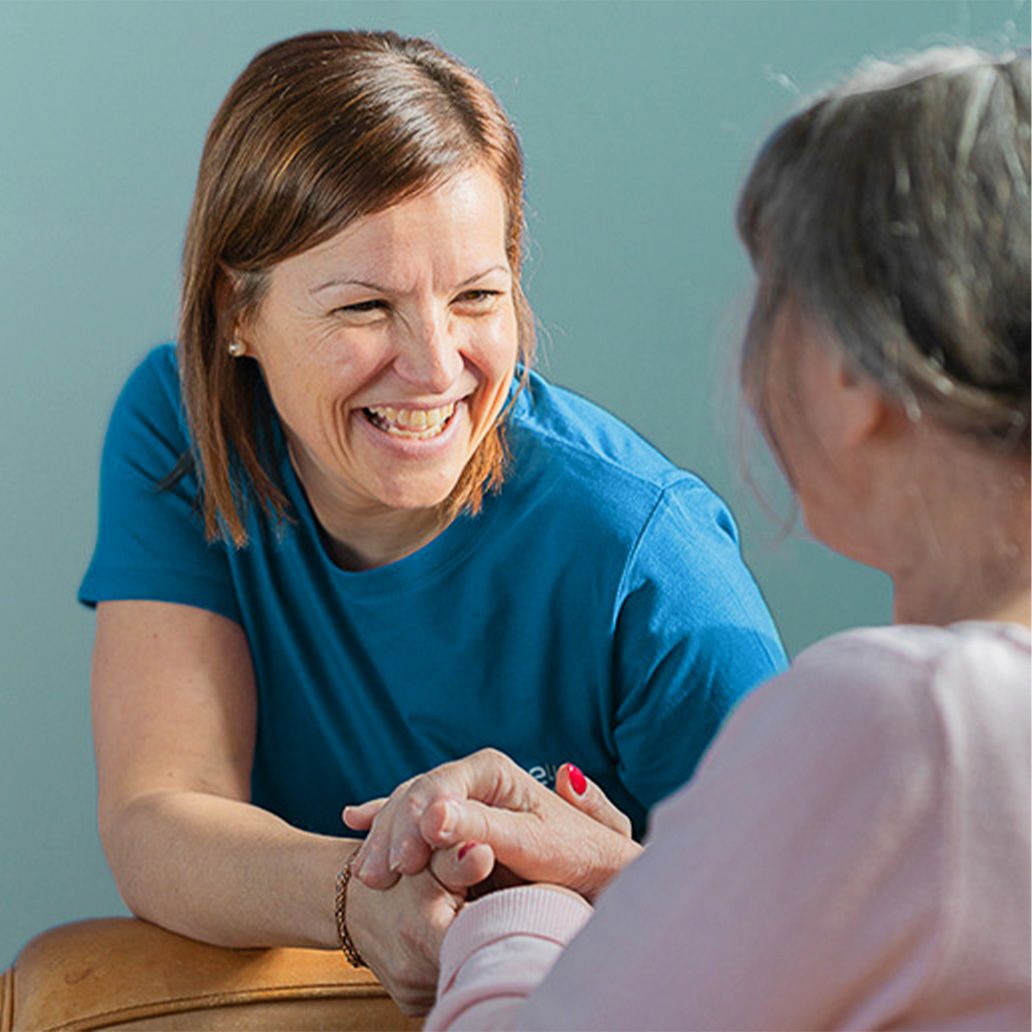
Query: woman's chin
[415, 493]
[407, 473]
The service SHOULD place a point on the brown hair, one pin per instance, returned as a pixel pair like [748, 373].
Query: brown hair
[317, 131]
[895, 211]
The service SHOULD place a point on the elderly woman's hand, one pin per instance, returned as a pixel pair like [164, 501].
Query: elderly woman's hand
[498, 812]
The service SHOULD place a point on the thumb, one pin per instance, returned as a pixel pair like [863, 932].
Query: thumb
[360, 817]
[462, 866]
[586, 796]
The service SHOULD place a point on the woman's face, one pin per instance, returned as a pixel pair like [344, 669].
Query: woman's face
[818, 419]
[388, 350]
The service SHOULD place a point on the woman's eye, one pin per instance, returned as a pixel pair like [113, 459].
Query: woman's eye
[477, 297]
[361, 306]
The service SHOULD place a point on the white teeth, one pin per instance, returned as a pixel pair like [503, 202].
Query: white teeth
[412, 423]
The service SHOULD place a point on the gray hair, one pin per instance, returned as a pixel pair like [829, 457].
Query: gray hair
[895, 210]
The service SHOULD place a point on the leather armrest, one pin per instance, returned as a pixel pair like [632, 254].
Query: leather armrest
[127, 974]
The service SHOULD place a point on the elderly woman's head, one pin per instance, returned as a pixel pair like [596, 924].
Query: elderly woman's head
[355, 243]
[889, 223]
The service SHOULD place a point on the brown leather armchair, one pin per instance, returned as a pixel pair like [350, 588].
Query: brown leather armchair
[122, 973]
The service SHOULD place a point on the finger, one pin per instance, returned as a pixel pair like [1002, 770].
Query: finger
[372, 861]
[463, 866]
[370, 865]
[407, 851]
[407, 854]
[395, 842]
[360, 817]
[515, 838]
[572, 785]
[563, 845]
[394, 845]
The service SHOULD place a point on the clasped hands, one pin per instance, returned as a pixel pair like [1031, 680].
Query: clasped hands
[464, 829]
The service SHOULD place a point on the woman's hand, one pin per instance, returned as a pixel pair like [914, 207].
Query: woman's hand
[497, 811]
[399, 932]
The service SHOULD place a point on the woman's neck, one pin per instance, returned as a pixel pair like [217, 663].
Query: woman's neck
[365, 534]
[393, 535]
[924, 603]
[963, 550]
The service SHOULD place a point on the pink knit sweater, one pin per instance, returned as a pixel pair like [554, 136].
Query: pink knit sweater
[853, 853]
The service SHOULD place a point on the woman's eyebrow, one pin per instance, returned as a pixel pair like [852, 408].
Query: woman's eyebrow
[481, 275]
[341, 281]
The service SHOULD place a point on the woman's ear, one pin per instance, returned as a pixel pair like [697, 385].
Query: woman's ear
[227, 298]
[859, 409]
[860, 403]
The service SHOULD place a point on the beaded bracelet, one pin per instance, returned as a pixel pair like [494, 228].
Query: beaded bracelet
[347, 947]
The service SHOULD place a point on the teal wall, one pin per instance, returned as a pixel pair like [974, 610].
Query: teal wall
[638, 121]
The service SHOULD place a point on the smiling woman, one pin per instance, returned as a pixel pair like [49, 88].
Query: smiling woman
[389, 378]
[346, 534]
[317, 133]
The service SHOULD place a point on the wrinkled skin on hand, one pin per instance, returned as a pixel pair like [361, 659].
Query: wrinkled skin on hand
[576, 839]
[398, 931]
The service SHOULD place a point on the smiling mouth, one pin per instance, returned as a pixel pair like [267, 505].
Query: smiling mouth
[411, 424]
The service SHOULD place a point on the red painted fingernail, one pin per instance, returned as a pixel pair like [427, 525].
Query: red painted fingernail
[578, 782]
[465, 849]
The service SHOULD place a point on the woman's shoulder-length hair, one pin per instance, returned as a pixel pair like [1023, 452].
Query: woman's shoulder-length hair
[317, 131]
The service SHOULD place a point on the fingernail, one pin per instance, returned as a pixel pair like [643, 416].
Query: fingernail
[465, 849]
[394, 860]
[447, 819]
[578, 782]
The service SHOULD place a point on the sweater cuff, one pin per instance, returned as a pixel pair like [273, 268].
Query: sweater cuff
[525, 910]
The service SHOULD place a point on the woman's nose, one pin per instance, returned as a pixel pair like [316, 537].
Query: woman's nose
[429, 358]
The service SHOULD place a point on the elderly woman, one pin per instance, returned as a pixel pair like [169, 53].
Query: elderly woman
[346, 534]
[854, 850]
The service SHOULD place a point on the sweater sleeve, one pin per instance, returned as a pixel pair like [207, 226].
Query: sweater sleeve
[497, 952]
[797, 882]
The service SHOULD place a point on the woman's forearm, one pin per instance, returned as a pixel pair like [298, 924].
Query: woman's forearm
[224, 871]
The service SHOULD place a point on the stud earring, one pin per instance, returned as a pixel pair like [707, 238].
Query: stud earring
[236, 349]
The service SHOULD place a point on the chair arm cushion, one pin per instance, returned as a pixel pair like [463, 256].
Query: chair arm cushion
[125, 973]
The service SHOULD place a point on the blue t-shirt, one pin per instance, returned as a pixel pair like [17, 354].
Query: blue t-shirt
[596, 611]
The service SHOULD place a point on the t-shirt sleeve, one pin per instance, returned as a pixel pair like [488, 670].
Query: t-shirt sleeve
[150, 539]
[692, 637]
[797, 882]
